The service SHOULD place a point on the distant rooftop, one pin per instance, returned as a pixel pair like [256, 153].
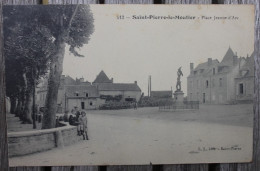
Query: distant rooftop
[102, 78]
[119, 87]
[228, 58]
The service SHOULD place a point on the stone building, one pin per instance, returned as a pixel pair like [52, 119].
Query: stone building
[66, 84]
[106, 87]
[84, 95]
[224, 82]
[244, 81]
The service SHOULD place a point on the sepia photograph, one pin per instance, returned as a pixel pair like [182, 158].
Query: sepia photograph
[129, 84]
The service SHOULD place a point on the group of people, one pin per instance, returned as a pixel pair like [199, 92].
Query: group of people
[79, 119]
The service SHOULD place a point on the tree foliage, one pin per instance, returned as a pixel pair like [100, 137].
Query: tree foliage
[34, 42]
[27, 48]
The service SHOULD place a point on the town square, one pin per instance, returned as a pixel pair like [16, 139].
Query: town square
[151, 91]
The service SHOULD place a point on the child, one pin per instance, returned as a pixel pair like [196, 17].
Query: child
[83, 125]
[79, 127]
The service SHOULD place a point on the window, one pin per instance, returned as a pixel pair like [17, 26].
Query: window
[214, 71]
[241, 88]
[82, 105]
[90, 103]
[76, 94]
[220, 82]
[207, 84]
[86, 94]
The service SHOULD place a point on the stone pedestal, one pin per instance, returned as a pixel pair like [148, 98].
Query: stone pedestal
[178, 96]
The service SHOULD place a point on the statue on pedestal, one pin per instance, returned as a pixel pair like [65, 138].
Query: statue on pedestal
[178, 84]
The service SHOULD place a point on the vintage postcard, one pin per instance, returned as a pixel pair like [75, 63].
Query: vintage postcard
[129, 84]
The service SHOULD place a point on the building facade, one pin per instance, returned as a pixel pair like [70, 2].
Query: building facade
[215, 82]
[106, 87]
[244, 81]
[84, 95]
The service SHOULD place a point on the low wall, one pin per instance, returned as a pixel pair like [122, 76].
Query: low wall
[186, 105]
[28, 142]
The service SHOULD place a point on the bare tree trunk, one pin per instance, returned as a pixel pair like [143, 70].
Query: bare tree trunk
[13, 105]
[49, 118]
[33, 106]
[28, 106]
[18, 109]
[27, 113]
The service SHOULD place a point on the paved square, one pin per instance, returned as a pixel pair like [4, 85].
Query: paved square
[215, 132]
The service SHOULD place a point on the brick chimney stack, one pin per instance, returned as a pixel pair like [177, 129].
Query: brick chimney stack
[191, 67]
[209, 61]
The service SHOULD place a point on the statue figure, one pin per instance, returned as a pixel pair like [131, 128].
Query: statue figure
[178, 84]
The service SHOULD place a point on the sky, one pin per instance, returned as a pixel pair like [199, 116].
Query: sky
[129, 50]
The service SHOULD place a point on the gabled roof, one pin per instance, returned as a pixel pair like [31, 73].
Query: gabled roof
[102, 78]
[81, 90]
[119, 87]
[228, 58]
[249, 66]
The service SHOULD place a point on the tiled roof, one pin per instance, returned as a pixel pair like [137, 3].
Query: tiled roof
[71, 90]
[228, 58]
[118, 87]
[205, 65]
[102, 78]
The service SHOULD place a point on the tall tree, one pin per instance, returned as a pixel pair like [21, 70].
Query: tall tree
[71, 25]
[28, 48]
[65, 25]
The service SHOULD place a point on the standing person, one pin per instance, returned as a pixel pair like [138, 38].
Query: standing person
[72, 112]
[66, 116]
[135, 105]
[77, 113]
[83, 125]
[79, 126]
[77, 116]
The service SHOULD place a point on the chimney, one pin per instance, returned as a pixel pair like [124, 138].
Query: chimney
[209, 61]
[81, 79]
[135, 82]
[150, 84]
[191, 67]
[235, 59]
[112, 80]
[148, 87]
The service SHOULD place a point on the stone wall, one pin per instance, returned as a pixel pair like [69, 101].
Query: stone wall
[28, 142]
